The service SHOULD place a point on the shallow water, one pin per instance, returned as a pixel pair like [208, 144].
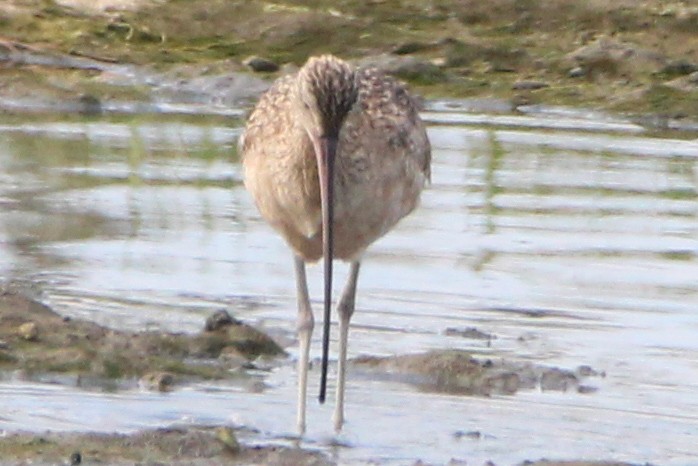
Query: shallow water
[570, 236]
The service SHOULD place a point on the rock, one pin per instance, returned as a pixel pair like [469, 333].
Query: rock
[28, 331]
[679, 68]
[89, 105]
[259, 64]
[577, 72]
[247, 340]
[585, 389]
[75, 459]
[157, 381]
[218, 320]
[439, 61]
[526, 85]
[406, 48]
[588, 371]
[473, 434]
[693, 77]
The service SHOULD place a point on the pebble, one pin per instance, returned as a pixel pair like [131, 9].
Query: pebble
[577, 72]
[75, 459]
[29, 331]
[90, 105]
[408, 47]
[260, 64]
[219, 320]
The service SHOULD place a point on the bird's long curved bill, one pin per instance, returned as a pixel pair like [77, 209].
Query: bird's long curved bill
[325, 151]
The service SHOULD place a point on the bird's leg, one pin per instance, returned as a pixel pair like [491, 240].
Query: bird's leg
[345, 310]
[305, 331]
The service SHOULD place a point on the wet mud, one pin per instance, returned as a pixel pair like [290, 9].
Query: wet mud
[36, 341]
[195, 446]
[457, 372]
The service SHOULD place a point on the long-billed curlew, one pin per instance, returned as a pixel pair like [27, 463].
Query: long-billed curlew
[334, 157]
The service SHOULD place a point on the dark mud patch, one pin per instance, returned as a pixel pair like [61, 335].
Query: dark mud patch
[195, 446]
[36, 340]
[457, 372]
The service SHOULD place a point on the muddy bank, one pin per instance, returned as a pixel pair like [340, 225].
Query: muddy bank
[35, 341]
[634, 57]
[196, 446]
[457, 372]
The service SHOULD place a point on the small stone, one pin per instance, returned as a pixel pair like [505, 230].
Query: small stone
[227, 437]
[408, 47]
[157, 381]
[693, 77]
[529, 85]
[679, 68]
[473, 434]
[260, 65]
[75, 459]
[586, 371]
[29, 331]
[89, 105]
[440, 62]
[586, 389]
[219, 320]
[577, 72]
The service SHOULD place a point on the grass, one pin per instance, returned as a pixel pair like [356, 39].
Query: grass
[475, 39]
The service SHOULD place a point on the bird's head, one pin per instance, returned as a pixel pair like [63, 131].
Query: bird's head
[325, 93]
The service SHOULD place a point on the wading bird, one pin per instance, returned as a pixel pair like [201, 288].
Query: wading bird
[334, 157]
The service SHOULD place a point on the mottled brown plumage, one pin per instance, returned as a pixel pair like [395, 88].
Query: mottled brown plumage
[381, 164]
